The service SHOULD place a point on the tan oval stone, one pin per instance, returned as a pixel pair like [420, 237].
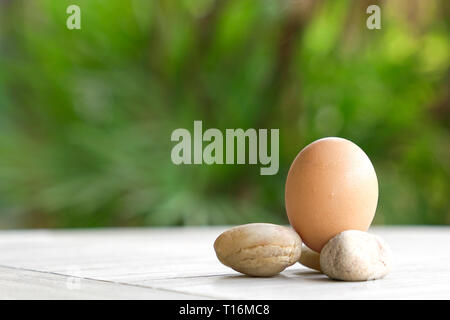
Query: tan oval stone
[258, 249]
[310, 259]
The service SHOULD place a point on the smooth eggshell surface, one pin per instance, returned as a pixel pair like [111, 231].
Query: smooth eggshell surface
[331, 187]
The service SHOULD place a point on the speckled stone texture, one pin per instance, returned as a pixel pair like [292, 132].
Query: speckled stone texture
[356, 256]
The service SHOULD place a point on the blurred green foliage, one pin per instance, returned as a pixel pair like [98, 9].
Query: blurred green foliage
[86, 115]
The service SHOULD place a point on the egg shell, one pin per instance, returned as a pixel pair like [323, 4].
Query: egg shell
[331, 187]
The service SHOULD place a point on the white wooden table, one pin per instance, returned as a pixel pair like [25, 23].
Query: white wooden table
[180, 263]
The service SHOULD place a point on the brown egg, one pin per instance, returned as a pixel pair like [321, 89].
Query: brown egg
[331, 187]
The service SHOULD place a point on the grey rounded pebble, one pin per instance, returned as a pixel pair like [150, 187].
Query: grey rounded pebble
[356, 256]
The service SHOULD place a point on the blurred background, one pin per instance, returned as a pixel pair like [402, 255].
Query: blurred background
[86, 115]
